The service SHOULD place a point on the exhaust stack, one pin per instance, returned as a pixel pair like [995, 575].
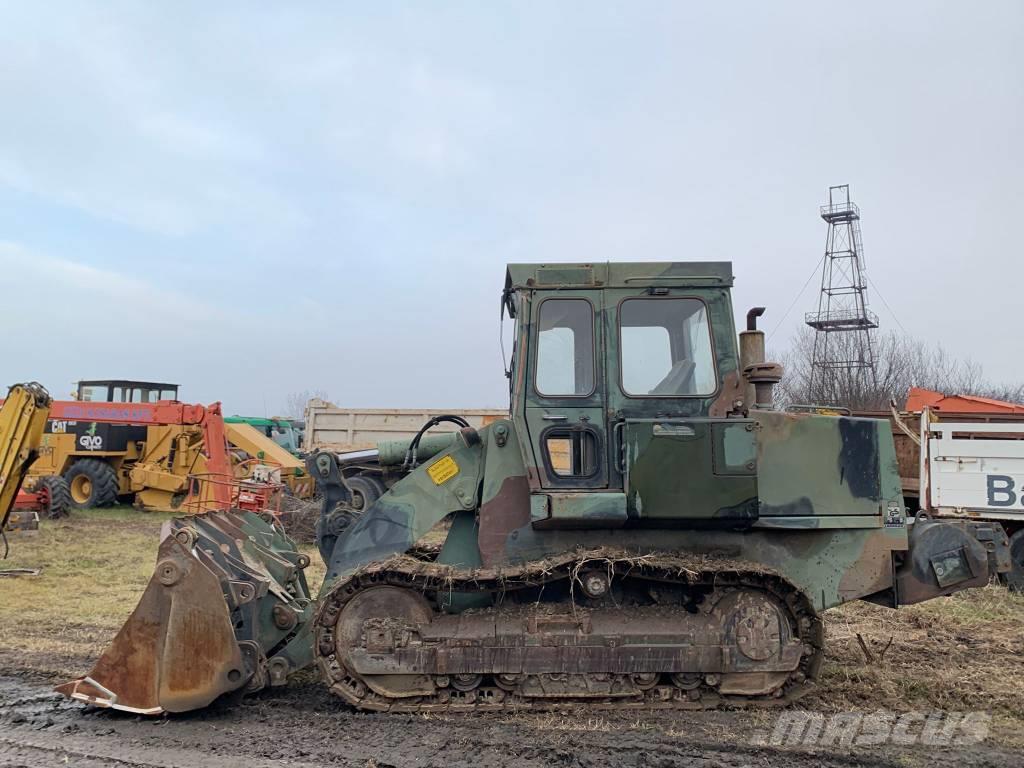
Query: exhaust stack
[761, 376]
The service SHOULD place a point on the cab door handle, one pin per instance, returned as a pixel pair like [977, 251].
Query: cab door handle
[554, 417]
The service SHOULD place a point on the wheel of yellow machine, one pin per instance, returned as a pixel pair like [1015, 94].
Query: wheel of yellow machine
[92, 483]
[81, 490]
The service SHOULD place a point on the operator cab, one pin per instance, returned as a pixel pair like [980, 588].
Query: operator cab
[125, 391]
[626, 384]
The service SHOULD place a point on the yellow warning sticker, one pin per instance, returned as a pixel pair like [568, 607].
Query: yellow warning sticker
[442, 470]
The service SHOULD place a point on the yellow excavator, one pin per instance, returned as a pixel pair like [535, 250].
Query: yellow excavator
[23, 418]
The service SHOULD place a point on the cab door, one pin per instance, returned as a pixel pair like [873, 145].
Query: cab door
[671, 347]
[565, 408]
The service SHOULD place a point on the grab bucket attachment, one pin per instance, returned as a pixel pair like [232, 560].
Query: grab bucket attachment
[228, 591]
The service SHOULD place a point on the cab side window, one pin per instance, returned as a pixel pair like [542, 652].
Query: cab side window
[666, 348]
[565, 348]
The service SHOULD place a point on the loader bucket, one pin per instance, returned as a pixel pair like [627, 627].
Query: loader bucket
[227, 591]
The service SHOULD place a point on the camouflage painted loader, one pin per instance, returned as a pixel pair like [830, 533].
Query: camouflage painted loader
[642, 531]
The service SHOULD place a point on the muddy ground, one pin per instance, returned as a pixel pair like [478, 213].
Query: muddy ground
[303, 725]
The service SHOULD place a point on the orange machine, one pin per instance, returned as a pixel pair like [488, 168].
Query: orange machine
[217, 493]
[194, 465]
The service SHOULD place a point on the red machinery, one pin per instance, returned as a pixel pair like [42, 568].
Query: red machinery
[49, 496]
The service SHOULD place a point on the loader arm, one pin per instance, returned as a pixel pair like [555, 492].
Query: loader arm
[23, 418]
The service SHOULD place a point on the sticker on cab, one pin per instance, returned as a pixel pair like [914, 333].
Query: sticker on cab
[442, 470]
[894, 515]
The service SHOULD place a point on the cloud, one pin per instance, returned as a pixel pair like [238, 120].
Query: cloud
[103, 119]
[191, 137]
[66, 320]
[56, 284]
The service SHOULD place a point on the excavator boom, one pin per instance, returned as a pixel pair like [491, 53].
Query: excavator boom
[23, 418]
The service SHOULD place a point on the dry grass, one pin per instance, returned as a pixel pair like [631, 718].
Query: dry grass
[959, 653]
[316, 571]
[299, 516]
[95, 565]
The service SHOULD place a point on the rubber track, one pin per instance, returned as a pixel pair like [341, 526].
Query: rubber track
[426, 578]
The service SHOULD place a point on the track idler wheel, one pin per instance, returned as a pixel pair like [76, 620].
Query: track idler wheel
[645, 681]
[379, 619]
[1014, 578]
[688, 681]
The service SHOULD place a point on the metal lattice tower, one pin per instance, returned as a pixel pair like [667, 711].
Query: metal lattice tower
[843, 361]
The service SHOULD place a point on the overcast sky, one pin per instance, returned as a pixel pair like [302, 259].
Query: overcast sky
[255, 199]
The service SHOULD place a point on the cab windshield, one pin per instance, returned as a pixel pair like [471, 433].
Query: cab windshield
[126, 393]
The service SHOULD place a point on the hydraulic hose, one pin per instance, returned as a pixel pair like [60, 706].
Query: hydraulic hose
[410, 454]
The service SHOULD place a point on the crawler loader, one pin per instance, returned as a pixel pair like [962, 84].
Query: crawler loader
[644, 530]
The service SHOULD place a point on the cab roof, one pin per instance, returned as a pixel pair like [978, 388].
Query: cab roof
[619, 274]
[126, 383]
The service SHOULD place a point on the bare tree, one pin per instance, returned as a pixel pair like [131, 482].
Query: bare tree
[295, 403]
[900, 362]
